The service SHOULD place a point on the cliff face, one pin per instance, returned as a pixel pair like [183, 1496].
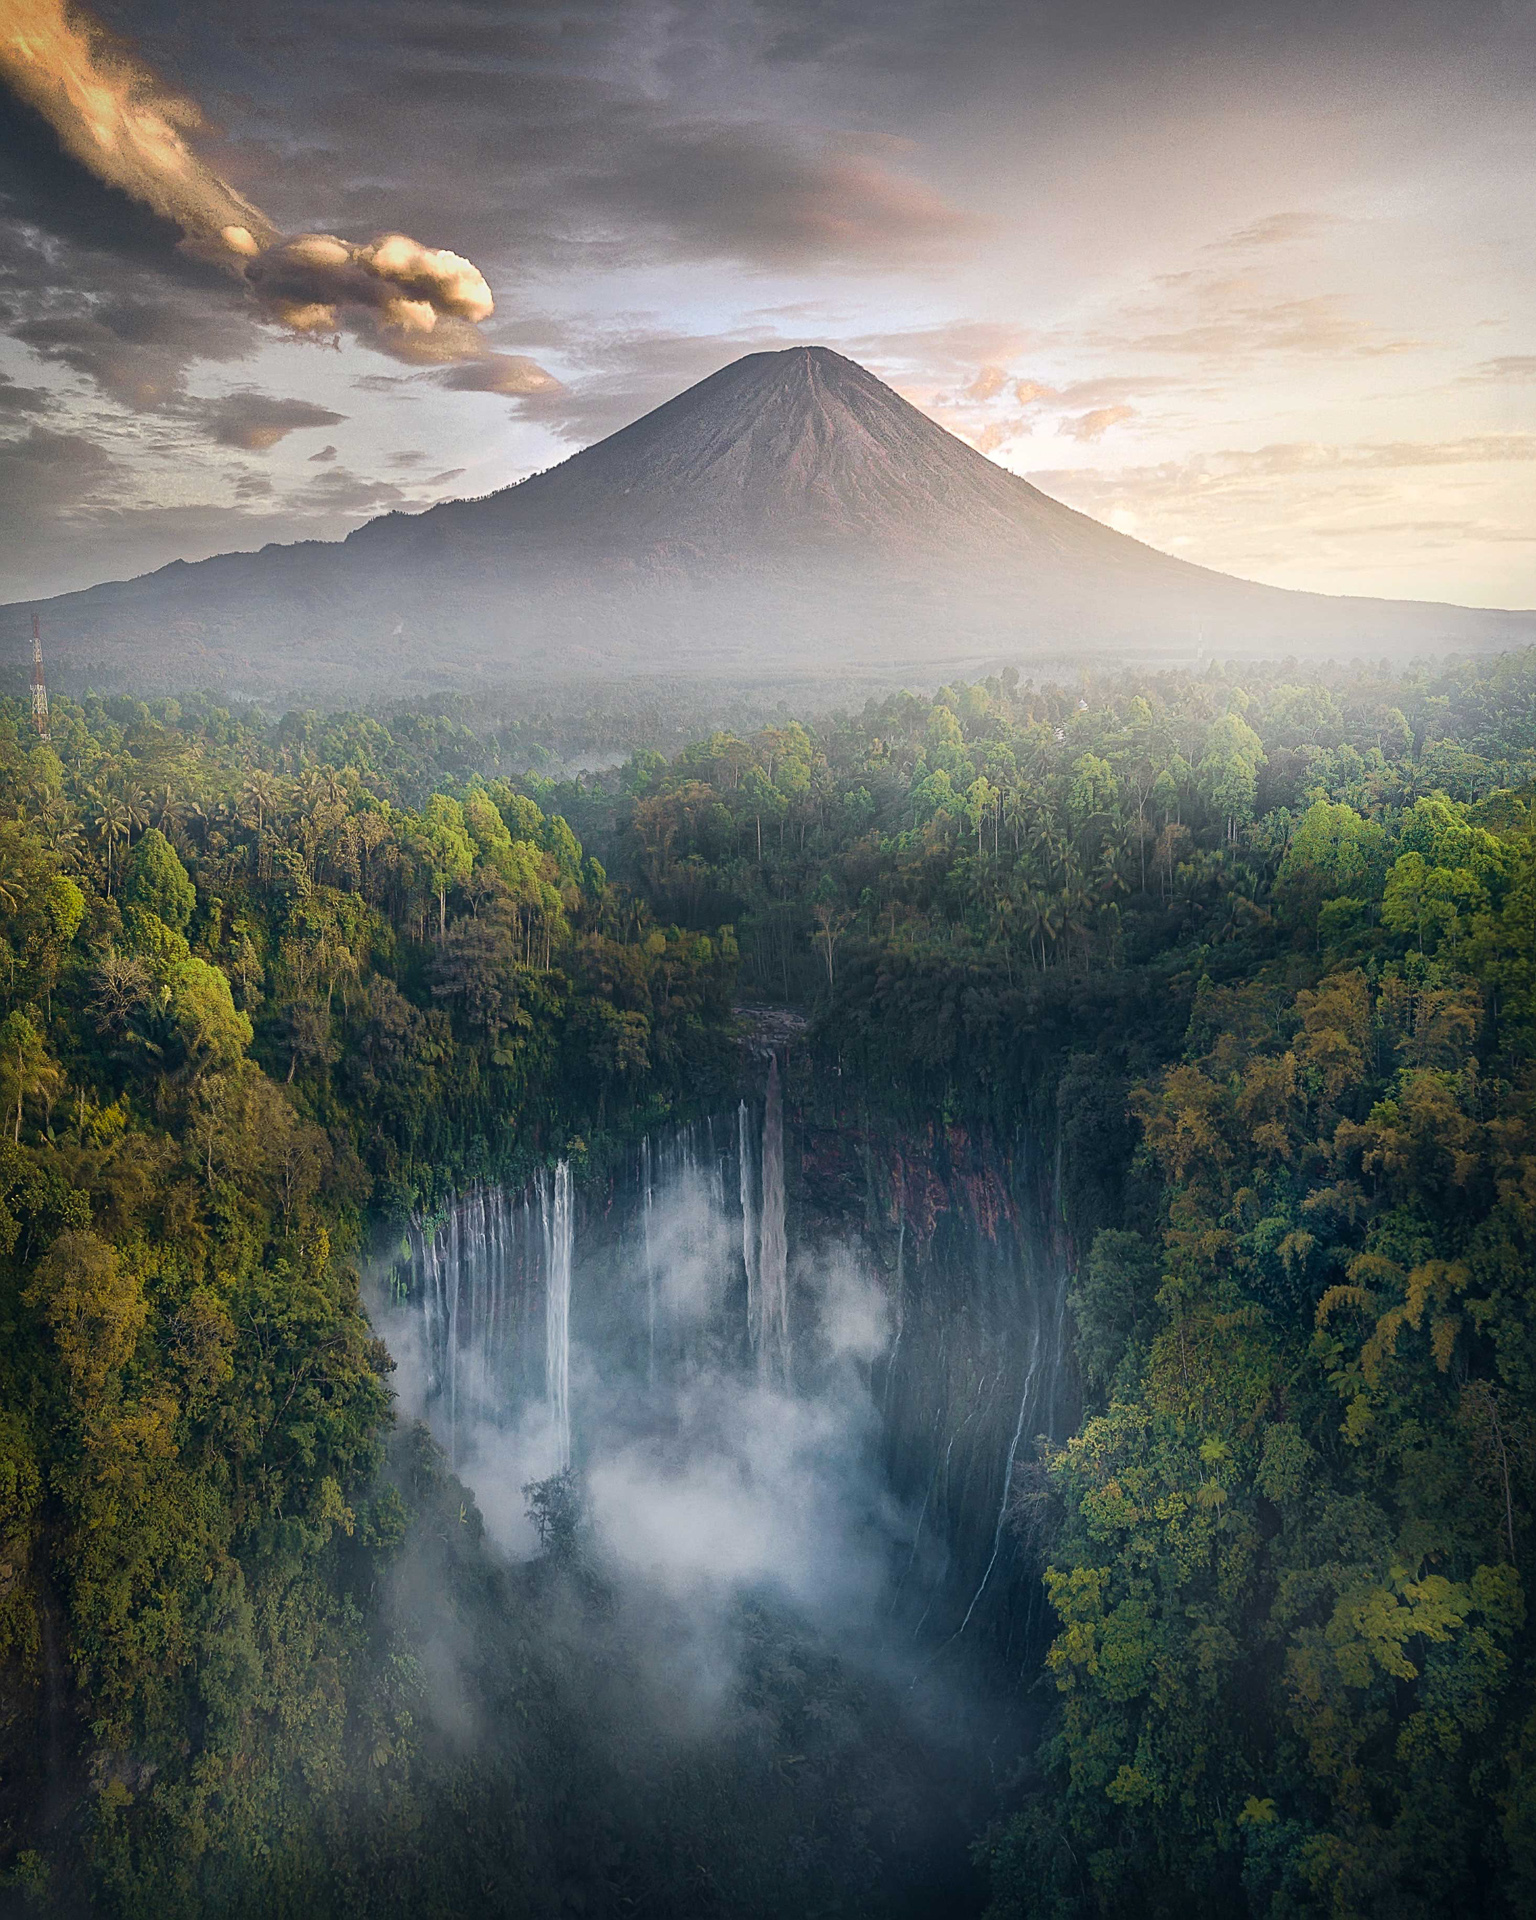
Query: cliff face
[791, 513]
[966, 1233]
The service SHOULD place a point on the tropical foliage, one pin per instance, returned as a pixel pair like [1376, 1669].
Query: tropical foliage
[1257, 952]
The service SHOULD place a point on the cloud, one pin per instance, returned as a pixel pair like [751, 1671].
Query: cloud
[337, 491]
[43, 473]
[256, 422]
[116, 118]
[325, 453]
[510, 374]
[989, 382]
[1095, 424]
[16, 401]
[1233, 322]
[994, 404]
[756, 193]
[1235, 467]
[1509, 369]
[137, 351]
[420, 304]
[1275, 230]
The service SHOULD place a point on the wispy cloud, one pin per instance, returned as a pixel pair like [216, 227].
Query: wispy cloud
[1276, 230]
[1235, 322]
[1510, 369]
[1096, 423]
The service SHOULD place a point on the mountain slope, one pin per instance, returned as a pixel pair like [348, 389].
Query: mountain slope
[790, 513]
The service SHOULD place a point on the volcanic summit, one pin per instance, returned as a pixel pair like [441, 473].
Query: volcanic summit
[790, 512]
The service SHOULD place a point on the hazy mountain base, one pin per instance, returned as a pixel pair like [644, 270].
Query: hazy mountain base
[791, 508]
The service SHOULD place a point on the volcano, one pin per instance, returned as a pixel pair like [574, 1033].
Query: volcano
[791, 514]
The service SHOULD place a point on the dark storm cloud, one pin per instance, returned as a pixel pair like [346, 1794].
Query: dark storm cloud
[747, 193]
[539, 134]
[542, 134]
[95, 282]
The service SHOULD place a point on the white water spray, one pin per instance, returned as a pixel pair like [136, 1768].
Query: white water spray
[647, 1207]
[748, 1214]
[772, 1321]
[559, 1238]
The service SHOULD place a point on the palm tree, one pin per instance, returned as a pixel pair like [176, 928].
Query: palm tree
[196, 822]
[309, 791]
[55, 820]
[168, 811]
[259, 798]
[111, 822]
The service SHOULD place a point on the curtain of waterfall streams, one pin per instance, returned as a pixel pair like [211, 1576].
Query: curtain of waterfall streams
[770, 1330]
[695, 1300]
[555, 1220]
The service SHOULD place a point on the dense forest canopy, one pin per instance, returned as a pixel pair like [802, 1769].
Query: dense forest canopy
[1257, 950]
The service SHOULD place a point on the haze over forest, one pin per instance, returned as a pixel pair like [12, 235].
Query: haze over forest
[767, 961]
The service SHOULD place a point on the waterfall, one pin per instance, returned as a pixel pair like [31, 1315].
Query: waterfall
[684, 1284]
[559, 1239]
[772, 1323]
[482, 1274]
[1013, 1454]
[748, 1214]
[647, 1207]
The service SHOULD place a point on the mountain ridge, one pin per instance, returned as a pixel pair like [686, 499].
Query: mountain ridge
[790, 510]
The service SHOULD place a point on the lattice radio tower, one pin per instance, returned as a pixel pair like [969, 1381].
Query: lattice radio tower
[39, 691]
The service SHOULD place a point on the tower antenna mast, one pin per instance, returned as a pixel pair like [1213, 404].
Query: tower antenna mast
[39, 690]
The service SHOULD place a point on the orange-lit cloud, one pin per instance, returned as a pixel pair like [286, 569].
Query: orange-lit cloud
[117, 118]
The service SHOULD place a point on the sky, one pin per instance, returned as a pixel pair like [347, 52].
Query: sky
[1252, 282]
